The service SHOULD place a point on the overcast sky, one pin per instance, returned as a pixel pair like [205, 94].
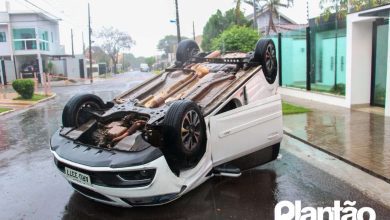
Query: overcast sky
[146, 21]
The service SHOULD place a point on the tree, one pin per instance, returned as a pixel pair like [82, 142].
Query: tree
[113, 41]
[342, 7]
[150, 61]
[98, 55]
[131, 60]
[168, 44]
[219, 22]
[236, 38]
[272, 7]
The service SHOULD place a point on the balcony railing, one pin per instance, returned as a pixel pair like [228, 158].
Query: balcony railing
[25, 44]
[31, 44]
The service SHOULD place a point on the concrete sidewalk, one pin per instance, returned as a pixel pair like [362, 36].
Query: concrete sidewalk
[7, 95]
[359, 138]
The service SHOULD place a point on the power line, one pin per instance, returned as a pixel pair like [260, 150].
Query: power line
[40, 8]
[49, 13]
[63, 14]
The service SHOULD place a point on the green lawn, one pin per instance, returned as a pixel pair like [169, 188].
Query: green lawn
[289, 109]
[4, 110]
[35, 98]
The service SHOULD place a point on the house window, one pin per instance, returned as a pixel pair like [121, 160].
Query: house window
[43, 35]
[52, 38]
[44, 46]
[24, 39]
[3, 37]
[43, 40]
[24, 33]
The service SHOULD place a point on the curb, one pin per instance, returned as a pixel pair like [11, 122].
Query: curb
[46, 99]
[29, 105]
[372, 173]
[7, 112]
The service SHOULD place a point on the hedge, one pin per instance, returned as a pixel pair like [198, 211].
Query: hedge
[24, 87]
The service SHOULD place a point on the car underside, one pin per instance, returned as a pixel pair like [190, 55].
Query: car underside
[172, 116]
[134, 119]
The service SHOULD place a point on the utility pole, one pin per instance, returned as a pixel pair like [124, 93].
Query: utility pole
[82, 36]
[254, 15]
[123, 61]
[89, 43]
[71, 36]
[193, 29]
[177, 22]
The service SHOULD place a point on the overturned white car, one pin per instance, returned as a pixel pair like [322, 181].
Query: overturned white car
[209, 114]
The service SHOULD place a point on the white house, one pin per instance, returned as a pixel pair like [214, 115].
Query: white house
[31, 38]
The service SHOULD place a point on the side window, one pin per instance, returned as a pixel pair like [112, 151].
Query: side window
[233, 104]
[3, 37]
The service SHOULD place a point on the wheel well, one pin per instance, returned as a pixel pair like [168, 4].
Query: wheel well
[232, 104]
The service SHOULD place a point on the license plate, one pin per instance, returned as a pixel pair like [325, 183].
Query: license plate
[78, 176]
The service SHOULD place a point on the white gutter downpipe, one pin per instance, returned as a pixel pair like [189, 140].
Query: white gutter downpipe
[387, 105]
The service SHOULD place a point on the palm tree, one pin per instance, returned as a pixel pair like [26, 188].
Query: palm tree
[272, 7]
[237, 11]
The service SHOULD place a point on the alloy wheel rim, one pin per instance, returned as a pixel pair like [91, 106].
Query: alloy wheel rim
[270, 56]
[190, 130]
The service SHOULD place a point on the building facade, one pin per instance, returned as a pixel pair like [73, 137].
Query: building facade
[28, 42]
[341, 62]
[282, 22]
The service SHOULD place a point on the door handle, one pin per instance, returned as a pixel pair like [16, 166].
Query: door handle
[331, 63]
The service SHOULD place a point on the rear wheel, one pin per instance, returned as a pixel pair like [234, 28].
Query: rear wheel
[185, 50]
[77, 110]
[184, 133]
[265, 54]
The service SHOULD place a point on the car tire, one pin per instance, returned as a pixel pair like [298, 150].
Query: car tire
[265, 54]
[184, 133]
[74, 115]
[185, 50]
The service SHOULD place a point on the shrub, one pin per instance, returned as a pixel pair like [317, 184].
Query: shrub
[24, 87]
[236, 38]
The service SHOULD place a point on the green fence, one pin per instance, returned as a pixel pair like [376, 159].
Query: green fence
[326, 58]
[293, 58]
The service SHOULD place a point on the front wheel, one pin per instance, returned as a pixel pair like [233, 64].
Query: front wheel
[185, 133]
[77, 110]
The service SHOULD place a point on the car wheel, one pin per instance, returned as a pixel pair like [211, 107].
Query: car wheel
[185, 50]
[76, 112]
[184, 133]
[265, 54]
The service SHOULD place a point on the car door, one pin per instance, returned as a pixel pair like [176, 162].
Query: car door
[246, 129]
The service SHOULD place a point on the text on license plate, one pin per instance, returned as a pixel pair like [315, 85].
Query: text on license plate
[77, 176]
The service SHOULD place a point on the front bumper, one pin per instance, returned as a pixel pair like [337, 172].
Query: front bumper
[113, 178]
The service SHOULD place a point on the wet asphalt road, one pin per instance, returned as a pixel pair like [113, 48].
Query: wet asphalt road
[32, 188]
